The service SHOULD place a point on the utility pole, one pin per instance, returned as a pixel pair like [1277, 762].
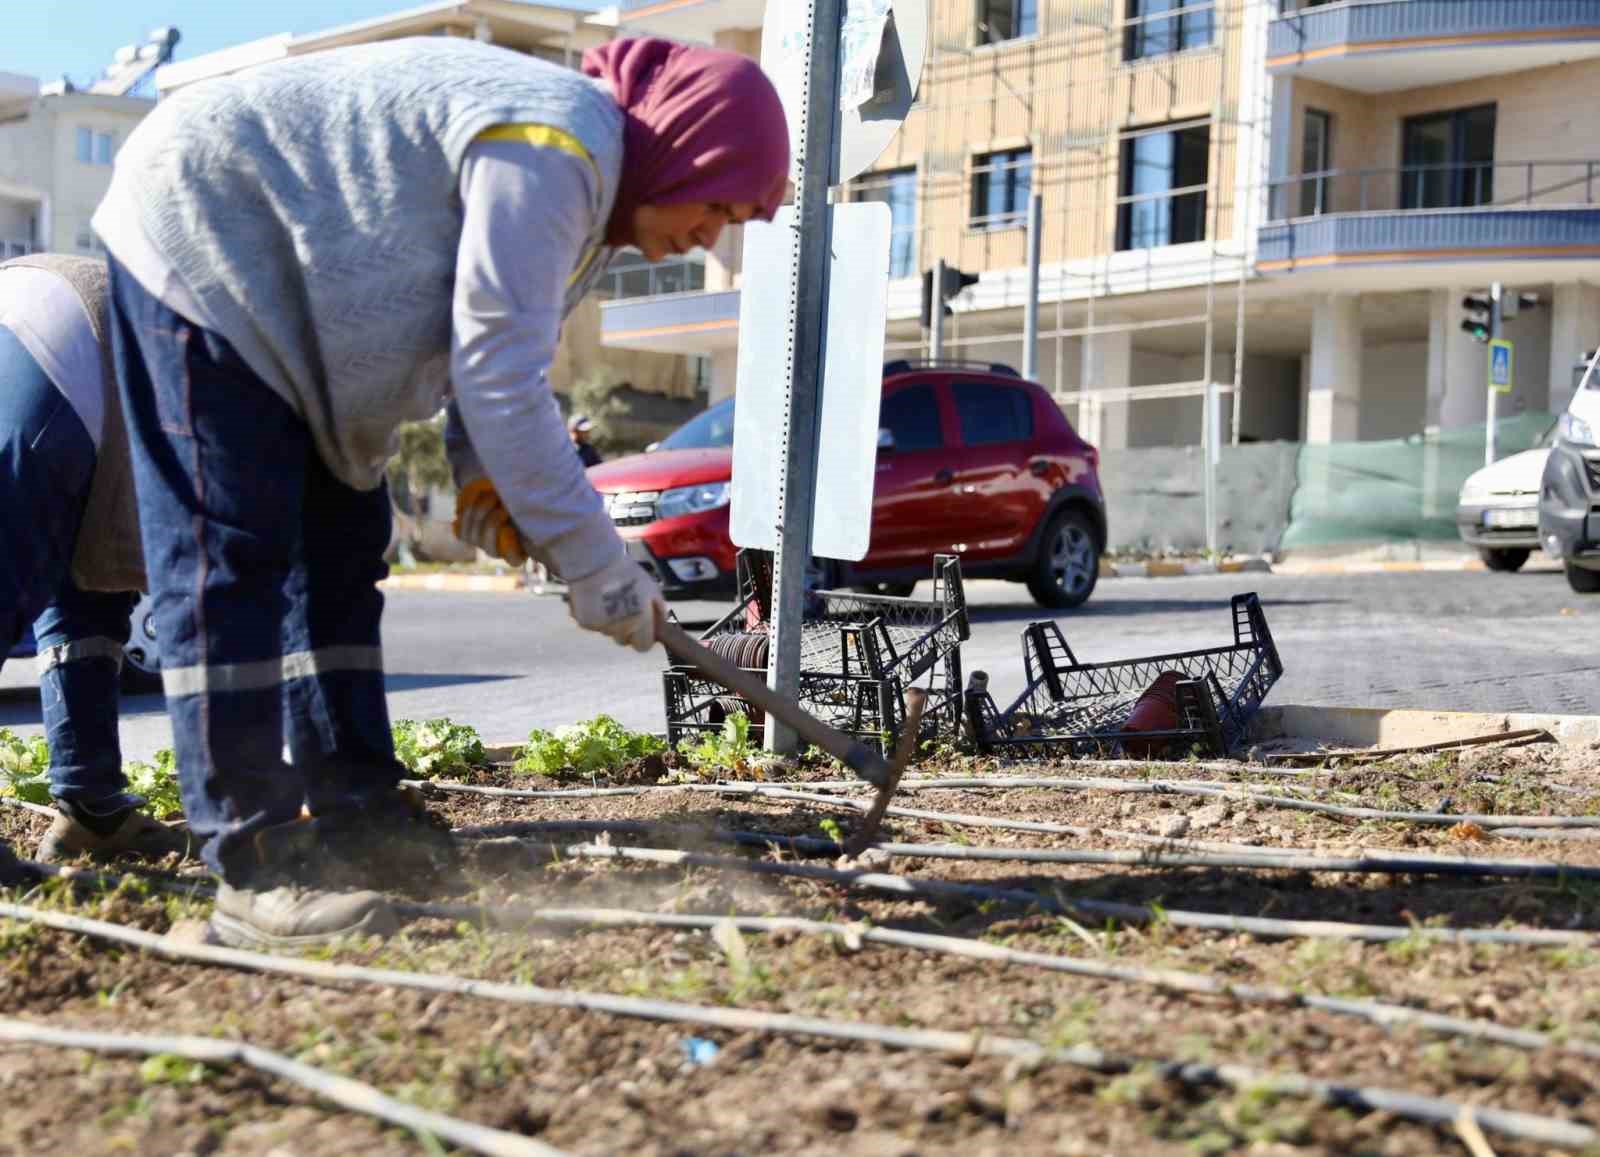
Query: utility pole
[808, 298]
[1030, 308]
[936, 316]
[1496, 327]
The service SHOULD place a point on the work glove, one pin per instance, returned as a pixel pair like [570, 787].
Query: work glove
[621, 601]
[483, 521]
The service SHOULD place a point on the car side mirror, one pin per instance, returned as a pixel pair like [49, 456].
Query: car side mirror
[885, 439]
[654, 446]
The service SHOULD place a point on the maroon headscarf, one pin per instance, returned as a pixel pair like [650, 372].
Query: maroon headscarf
[700, 124]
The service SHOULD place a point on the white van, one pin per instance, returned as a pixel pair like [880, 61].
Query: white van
[1569, 497]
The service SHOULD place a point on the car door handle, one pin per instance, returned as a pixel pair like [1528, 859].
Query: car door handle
[1039, 468]
[945, 477]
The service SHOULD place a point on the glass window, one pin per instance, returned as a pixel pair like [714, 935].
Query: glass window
[912, 415]
[897, 189]
[1316, 156]
[991, 414]
[103, 148]
[1000, 186]
[1157, 27]
[85, 150]
[712, 428]
[1154, 164]
[1447, 159]
[1000, 20]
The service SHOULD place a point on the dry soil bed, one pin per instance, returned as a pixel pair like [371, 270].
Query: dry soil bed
[593, 1083]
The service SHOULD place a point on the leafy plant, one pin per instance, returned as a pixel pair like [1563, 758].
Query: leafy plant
[830, 828]
[23, 763]
[157, 782]
[171, 1069]
[583, 748]
[727, 750]
[437, 747]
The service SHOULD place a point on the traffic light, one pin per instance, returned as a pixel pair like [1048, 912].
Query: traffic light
[1480, 316]
[1513, 303]
[955, 280]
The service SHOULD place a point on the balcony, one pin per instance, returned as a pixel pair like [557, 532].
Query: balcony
[679, 323]
[687, 19]
[630, 275]
[1526, 210]
[1354, 44]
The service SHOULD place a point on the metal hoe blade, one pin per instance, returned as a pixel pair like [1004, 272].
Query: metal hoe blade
[857, 756]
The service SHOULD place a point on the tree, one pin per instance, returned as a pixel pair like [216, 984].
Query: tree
[595, 395]
[419, 464]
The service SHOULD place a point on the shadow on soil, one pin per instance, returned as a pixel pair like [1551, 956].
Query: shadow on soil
[1462, 902]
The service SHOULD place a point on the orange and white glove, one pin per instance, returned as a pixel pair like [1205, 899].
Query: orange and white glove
[621, 601]
[483, 521]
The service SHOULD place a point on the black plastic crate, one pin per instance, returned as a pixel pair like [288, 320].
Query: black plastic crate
[859, 654]
[1081, 709]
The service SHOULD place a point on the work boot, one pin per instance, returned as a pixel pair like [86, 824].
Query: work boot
[127, 832]
[299, 895]
[278, 916]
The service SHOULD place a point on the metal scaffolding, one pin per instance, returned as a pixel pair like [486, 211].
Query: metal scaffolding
[1107, 115]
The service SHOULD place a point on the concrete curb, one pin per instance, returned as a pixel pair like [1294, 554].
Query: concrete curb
[1401, 727]
[1176, 567]
[477, 583]
[1351, 568]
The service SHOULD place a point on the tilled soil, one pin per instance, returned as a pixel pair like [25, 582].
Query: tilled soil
[595, 1083]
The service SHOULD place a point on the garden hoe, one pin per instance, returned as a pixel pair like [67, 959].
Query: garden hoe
[855, 755]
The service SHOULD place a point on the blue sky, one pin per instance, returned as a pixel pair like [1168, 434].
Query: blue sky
[47, 38]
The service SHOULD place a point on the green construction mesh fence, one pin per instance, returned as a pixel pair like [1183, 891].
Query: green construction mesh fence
[1399, 490]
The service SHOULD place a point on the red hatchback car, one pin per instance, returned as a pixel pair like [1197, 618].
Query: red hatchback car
[973, 461]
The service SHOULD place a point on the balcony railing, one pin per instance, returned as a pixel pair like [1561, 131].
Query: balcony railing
[633, 276]
[11, 248]
[1487, 185]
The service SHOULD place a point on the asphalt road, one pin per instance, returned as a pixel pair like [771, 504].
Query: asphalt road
[1455, 641]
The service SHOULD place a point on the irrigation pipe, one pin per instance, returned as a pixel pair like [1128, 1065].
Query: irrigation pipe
[1130, 913]
[1133, 787]
[1433, 1110]
[1175, 857]
[27, 806]
[342, 1091]
[1379, 1013]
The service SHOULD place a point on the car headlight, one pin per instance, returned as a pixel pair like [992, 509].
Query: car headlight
[1575, 430]
[693, 499]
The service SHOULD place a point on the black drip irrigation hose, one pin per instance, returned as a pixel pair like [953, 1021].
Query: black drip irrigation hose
[1062, 905]
[1263, 859]
[1431, 1110]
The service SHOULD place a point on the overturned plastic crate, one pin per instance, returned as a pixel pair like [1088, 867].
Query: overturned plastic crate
[859, 655]
[1159, 705]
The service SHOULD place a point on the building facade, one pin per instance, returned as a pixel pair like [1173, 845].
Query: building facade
[56, 151]
[1279, 203]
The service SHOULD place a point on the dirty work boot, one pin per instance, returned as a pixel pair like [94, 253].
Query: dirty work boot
[128, 832]
[300, 896]
[292, 917]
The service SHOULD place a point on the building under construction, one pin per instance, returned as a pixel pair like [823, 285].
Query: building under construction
[1280, 206]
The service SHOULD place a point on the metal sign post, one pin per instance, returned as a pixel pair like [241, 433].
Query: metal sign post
[808, 313]
[1030, 307]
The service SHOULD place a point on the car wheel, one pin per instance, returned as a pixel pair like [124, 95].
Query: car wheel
[1506, 559]
[141, 667]
[1068, 564]
[1585, 582]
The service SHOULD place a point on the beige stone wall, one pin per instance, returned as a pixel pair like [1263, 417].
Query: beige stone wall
[580, 354]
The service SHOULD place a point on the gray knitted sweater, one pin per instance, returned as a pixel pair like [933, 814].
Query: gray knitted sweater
[310, 208]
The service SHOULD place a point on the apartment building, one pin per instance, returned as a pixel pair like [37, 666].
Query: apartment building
[1280, 204]
[56, 150]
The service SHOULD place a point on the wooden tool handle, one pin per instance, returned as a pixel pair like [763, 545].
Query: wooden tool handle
[857, 756]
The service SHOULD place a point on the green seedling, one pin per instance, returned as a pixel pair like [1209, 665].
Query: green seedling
[830, 828]
[157, 782]
[727, 750]
[581, 749]
[435, 748]
[23, 763]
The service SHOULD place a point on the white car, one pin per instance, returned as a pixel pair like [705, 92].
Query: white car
[1498, 511]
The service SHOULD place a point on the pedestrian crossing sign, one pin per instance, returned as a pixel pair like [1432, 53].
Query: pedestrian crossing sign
[1500, 352]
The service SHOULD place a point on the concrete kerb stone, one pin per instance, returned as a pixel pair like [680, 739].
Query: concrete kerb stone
[1356, 727]
[479, 583]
